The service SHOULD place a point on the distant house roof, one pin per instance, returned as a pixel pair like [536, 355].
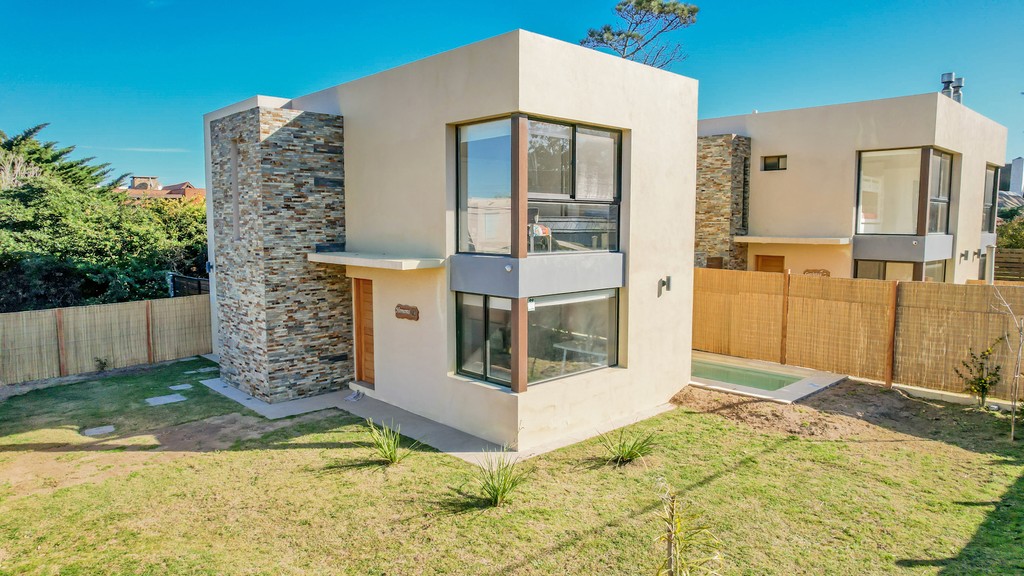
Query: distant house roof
[181, 190]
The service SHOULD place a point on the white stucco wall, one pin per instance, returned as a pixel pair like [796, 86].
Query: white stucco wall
[400, 199]
[816, 196]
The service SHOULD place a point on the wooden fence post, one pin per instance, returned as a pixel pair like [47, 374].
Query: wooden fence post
[890, 352]
[149, 331]
[785, 316]
[61, 352]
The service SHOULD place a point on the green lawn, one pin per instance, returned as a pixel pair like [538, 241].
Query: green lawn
[307, 498]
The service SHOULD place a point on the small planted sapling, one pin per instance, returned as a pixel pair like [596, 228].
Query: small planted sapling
[980, 374]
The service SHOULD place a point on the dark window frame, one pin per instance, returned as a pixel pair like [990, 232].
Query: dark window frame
[615, 201]
[990, 201]
[616, 330]
[780, 163]
[458, 182]
[924, 190]
[947, 201]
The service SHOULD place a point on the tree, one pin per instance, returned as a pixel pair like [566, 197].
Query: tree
[643, 35]
[67, 238]
[1011, 234]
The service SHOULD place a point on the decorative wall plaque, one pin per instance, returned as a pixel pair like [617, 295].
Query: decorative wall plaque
[406, 312]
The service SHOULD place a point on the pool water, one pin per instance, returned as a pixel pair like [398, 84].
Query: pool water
[750, 377]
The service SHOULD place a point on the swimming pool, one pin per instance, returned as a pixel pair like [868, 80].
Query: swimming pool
[759, 379]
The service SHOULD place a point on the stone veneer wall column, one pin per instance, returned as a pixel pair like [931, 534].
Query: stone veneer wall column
[723, 192]
[285, 322]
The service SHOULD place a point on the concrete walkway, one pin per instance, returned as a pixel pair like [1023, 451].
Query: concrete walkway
[436, 435]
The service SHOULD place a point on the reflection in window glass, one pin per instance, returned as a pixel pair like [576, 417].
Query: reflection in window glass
[597, 164]
[484, 333]
[571, 333]
[485, 187]
[879, 270]
[572, 227]
[939, 183]
[935, 271]
[988, 215]
[499, 340]
[470, 332]
[889, 187]
[549, 160]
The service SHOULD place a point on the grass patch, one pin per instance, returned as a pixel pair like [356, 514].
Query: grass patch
[55, 416]
[500, 476]
[301, 500]
[387, 443]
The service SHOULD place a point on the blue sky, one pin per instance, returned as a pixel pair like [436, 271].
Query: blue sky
[128, 81]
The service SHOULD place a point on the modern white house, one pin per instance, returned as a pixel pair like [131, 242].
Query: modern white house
[490, 238]
[898, 189]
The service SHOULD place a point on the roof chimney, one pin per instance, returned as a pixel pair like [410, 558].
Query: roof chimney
[958, 90]
[947, 84]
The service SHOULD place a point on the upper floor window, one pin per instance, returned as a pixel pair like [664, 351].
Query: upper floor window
[770, 163]
[939, 186]
[485, 187]
[572, 187]
[988, 214]
[889, 190]
[892, 199]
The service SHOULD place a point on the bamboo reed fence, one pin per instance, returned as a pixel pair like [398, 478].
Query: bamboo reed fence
[65, 341]
[911, 333]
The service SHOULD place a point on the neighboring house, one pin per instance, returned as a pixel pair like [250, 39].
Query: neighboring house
[490, 238]
[901, 188]
[149, 187]
[1011, 179]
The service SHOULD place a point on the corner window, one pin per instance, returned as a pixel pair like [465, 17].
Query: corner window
[935, 271]
[988, 213]
[572, 188]
[485, 187]
[484, 332]
[566, 334]
[881, 270]
[888, 191]
[770, 163]
[571, 333]
[939, 186]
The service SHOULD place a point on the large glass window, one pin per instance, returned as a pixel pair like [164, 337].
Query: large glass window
[889, 188]
[572, 227]
[988, 215]
[573, 188]
[939, 186]
[571, 333]
[484, 337]
[566, 334]
[549, 160]
[880, 270]
[935, 271]
[597, 164]
[485, 187]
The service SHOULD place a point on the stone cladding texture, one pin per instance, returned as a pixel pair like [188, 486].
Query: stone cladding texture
[285, 322]
[723, 192]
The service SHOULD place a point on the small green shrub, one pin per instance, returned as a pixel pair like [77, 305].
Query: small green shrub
[387, 442]
[499, 477]
[980, 375]
[101, 364]
[623, 449]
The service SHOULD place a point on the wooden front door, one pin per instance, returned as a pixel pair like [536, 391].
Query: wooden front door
[765, 263]
[363, 294]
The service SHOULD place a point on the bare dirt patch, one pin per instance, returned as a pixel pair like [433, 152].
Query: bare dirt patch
[850, 410]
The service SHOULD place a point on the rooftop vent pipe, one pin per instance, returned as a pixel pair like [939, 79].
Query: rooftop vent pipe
[952, 87]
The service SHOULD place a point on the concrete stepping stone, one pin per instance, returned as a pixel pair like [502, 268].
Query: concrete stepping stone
[201, 370]
[169, 399]
[181, 387]
[99, 430]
